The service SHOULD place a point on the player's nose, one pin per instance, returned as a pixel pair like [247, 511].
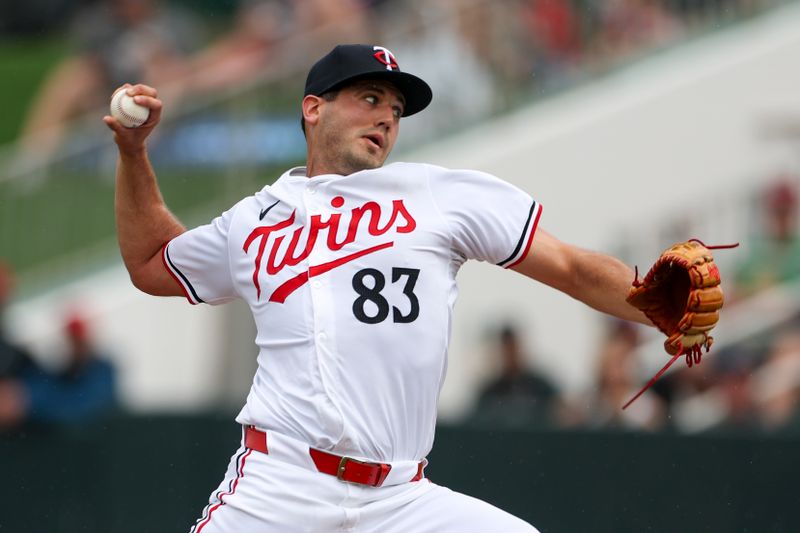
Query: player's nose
[384, 116]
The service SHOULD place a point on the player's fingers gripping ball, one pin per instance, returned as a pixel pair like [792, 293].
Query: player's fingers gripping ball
[681, 295]
[127, 111]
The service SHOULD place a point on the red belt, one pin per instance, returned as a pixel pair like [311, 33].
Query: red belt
[344, 468]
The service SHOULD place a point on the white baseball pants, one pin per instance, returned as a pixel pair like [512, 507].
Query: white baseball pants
[263, 494]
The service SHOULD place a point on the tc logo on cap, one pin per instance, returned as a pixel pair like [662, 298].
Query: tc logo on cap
[385, 56]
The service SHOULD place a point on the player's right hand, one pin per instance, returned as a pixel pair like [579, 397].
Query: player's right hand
[131, 140]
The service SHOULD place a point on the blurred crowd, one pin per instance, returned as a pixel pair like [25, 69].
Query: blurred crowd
[79, 389]
[752, 386]
[747, 390]
[479, 55]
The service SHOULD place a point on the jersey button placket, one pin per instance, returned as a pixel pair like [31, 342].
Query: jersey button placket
[318, 289]
[321, 301]
[315, 257]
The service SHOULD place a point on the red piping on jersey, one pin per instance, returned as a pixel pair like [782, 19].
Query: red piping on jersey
[239, 475]
[289, 286]
[171, 273]
[530, 240]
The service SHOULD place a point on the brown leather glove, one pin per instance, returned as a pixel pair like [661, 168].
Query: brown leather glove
[681, 295]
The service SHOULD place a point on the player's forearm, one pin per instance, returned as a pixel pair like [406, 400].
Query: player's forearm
[598, 280]
[144, 223]
[602, 282]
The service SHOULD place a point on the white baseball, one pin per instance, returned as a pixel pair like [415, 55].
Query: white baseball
[126, 111]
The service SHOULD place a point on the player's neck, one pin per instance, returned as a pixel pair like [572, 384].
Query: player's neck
[319, 168]
[315, 169]
[316, 166]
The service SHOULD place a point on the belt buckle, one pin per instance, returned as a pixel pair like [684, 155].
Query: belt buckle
[343, 465]
[378, 474]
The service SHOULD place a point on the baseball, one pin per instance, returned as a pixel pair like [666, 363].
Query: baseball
[126, 111]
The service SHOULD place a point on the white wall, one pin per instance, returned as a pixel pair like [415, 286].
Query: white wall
[614, 154]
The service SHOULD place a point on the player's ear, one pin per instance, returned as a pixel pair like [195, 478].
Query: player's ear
[311, 109]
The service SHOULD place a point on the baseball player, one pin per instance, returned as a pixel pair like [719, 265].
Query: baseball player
[349, 269]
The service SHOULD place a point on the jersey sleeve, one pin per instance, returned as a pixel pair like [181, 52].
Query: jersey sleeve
[199, 261]
[489, 219]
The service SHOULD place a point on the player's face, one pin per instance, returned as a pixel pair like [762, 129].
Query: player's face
[358, 129]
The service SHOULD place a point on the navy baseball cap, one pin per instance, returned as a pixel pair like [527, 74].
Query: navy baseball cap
[348, 63]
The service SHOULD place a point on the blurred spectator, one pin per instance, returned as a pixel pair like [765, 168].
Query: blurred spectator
[715, 395]
[518, 397]
[734, 391]
[618, 380]
[12, 404]
[684, 391]
[83, 390]
[628, 27]
[272, 35]
[774, 255]
[322, 24]
[699, 11]
[738, 389]
[776, 386]
[494, 32]
[16, 363]
[117, 41]
[255, 43]
[553, 29]
[443, 57]
[554, 25]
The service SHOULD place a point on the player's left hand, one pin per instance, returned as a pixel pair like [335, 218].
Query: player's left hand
[682, 296]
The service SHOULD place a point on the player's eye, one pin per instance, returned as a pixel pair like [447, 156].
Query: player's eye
[371, 98]
[398, 111]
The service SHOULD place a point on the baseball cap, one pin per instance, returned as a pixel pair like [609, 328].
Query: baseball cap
[781, 195]
[347, 63]
[75, 326]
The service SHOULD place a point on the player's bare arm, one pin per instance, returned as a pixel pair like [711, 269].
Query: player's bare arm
[598, 280]
[144, 223]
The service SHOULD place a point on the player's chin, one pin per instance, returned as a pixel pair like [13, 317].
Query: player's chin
[365, 161]
[373, 163]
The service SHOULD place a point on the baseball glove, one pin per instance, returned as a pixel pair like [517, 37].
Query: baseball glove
[681, 295]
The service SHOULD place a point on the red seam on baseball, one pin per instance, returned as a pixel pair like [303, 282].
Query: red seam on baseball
[126, 115]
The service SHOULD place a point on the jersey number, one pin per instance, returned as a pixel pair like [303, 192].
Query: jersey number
[371, 292]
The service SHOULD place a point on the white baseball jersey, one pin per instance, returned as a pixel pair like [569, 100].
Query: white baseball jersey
[351, 280]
